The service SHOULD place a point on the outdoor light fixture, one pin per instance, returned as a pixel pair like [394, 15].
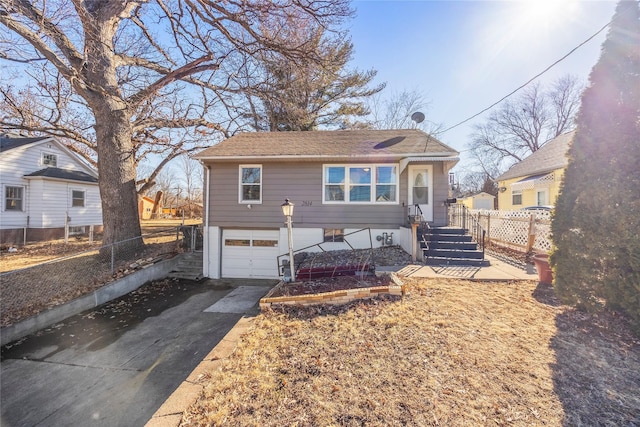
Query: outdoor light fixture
[287, 211]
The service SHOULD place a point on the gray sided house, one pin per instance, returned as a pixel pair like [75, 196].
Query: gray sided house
[339, 181]
[47, 190]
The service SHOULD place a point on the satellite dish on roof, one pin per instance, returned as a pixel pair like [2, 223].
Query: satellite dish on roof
[417, 117]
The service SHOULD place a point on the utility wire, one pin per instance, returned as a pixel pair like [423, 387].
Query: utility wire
[529, 81]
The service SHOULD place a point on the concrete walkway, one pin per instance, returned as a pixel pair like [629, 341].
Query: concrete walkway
[500, 269]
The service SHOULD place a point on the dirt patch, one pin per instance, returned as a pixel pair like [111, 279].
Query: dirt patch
[29, 291]
[450, 352]
[154, 232]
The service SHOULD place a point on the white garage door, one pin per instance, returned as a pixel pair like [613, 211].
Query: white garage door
[250, 254]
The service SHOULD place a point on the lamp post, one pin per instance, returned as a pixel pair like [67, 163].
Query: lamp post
[287, 210]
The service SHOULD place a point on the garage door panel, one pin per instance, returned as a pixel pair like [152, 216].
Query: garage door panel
[250, 253]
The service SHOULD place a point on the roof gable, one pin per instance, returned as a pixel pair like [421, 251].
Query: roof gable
[328, 144]
[552, 155]
[10, 143]
[65, 174]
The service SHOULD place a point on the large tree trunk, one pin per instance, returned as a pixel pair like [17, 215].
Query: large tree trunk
[113, 132]
[117, 180]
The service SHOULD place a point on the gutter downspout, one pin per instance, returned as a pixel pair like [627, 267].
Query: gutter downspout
[205, 228]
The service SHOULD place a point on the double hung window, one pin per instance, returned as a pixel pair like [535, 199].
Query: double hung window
[250, 184]
[77, 198]
[516, 197]
[13, 198]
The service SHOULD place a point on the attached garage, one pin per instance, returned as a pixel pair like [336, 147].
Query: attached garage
[250, 253]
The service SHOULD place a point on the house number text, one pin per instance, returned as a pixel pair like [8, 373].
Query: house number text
[307, 203]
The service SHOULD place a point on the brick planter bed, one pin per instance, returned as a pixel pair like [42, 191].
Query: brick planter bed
[336, 290]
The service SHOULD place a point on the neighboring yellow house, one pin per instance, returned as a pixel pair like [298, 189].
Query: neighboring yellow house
[535, 181]
[481, 200]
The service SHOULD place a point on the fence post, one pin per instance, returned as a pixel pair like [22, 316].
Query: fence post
[489, 227]
[66, 227]
[464, 217]
[113, 257]
[531, 237]
[91, 233]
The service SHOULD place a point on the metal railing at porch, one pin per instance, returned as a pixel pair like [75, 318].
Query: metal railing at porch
[415, 216]
[458, 215]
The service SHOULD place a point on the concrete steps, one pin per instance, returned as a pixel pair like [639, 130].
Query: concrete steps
[451, 246]
[189, 266]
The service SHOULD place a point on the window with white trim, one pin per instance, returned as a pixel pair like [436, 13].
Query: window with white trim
[516, 197]
[13, 198]
[77, 198]
[250, 190]
[360, 183]
[49, 159]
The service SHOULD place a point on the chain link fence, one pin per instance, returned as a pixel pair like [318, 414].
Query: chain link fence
[26, 291]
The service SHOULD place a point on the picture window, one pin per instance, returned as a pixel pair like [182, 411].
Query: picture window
[360, 184]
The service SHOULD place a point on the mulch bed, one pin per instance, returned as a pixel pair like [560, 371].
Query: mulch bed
[330, 284]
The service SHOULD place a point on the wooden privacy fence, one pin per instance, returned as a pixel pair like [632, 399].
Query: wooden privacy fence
[523, 230]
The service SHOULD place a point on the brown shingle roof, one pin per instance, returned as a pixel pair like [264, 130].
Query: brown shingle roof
[552, 155]
[334, 144]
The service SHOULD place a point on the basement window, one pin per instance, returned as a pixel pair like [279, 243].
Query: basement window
[334, 234]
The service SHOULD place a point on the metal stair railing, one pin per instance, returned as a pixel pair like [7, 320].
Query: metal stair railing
[459, 216]
[417, 217]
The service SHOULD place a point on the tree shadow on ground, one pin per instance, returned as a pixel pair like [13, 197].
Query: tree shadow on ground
[597, 371]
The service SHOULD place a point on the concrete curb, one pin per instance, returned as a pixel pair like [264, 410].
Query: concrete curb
[187, 393]
[104, 294]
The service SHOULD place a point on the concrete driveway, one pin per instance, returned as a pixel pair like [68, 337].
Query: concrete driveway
[115, 365]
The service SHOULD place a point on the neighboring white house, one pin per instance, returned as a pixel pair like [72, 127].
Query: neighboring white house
[45, 188]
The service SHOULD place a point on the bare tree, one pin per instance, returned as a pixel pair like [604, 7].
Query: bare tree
[305, 94]
[522, 125]
[192, 179]
[136, 67]
[395, 111]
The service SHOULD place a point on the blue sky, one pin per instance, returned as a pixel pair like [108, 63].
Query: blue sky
[466, 55]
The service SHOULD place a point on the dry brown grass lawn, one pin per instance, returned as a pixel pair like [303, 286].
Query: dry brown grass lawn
[450, 353]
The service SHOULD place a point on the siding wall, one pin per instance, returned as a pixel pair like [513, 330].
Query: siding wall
[529, 195]
[302, 184]
[45, 201]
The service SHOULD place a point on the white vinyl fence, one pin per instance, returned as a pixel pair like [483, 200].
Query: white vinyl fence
[523, 230]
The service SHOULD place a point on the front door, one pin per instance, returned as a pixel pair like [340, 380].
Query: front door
[421, 190]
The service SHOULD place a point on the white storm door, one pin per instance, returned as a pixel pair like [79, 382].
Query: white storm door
[421, 190]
